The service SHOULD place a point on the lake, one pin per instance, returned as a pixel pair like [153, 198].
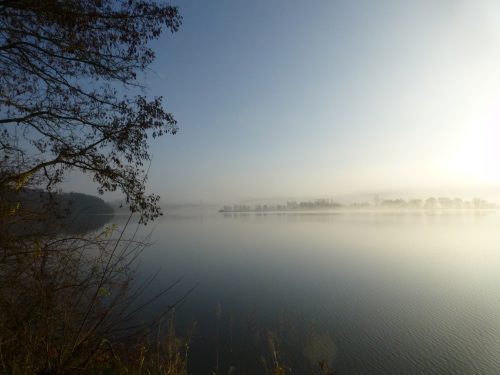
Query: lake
[402, 292]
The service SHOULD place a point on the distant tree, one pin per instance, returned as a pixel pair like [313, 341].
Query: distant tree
[397, 202]
[70, 98]
[445, 202]
[430, 202]
[416, 203]
[479, 203]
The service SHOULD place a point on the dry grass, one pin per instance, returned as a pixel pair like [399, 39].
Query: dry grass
[68, 302]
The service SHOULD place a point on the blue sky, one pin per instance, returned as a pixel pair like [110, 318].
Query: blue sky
[327, 98]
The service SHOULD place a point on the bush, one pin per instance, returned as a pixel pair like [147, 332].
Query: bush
[68, 301]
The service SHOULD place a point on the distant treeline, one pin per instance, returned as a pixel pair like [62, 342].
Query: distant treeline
[326, 204]
[55, 212]
[72, 204]
[86, 212]
[83, 204]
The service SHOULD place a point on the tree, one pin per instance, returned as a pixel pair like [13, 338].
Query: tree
[70, 98]
[445, 202]
[430, 202]
[68, 303]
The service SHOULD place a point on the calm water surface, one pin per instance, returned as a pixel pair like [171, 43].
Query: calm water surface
[372, 293]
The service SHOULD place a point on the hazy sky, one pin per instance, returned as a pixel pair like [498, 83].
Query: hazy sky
[325, 98]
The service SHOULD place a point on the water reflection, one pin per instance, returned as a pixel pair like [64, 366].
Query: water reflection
[397, 292]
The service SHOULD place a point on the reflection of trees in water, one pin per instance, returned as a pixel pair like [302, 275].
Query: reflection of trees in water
[83, 223]
[70, 224]
[373, 215]
[378, 204]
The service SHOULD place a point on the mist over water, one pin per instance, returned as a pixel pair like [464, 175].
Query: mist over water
[389, 292]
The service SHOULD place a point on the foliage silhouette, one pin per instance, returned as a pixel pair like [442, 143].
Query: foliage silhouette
[65, 69]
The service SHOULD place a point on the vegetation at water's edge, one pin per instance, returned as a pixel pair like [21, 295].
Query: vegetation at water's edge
[329, 204]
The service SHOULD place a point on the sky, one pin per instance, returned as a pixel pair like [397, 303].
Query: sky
[327, 99]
